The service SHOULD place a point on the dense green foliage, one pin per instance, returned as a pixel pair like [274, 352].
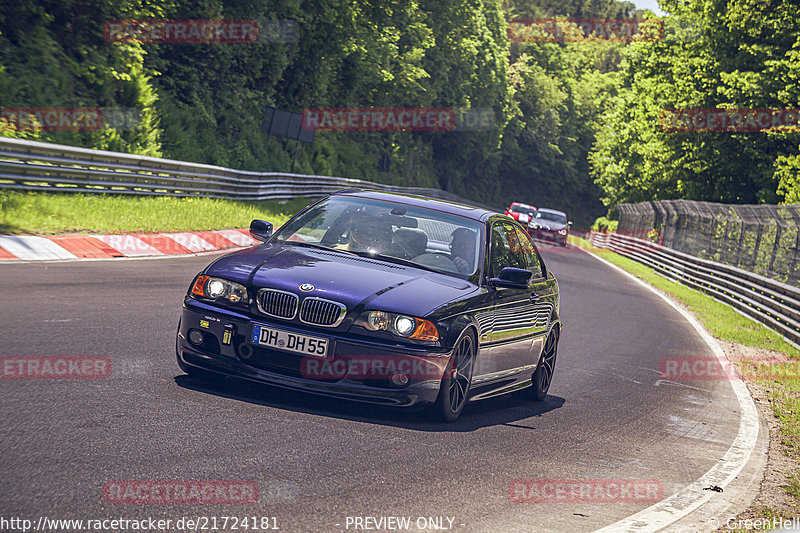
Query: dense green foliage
[54, 54]
[554, 104]
[731, 54]
[605, 225]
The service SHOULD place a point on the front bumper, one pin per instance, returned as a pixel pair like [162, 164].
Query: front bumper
[548, 235]
[235, 354]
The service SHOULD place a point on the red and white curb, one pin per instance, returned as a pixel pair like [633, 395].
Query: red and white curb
[36, 248]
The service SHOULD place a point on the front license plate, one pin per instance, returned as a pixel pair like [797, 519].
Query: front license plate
[290, 342]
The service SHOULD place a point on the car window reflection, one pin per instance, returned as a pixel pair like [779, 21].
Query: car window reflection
[443, 242]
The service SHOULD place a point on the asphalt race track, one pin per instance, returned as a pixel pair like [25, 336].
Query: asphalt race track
[318, 461]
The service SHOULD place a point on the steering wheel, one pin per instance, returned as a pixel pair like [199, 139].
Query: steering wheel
[335, 232]
[436, 260]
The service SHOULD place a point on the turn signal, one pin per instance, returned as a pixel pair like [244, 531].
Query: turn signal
[426, 331]
[199, 286]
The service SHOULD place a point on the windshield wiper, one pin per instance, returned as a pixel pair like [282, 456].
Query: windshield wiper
[399, 261]
[370, 255]
[317, 246]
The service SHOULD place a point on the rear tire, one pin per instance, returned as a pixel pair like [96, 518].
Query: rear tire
[543, 376]
[457, 379]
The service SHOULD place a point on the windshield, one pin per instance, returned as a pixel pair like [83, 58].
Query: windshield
[523, 210]
[431, 239]
[553, 217]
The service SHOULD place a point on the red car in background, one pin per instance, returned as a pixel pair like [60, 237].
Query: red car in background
[520, 212]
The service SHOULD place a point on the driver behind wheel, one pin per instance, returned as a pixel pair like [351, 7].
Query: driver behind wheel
[368, 234]
[462, 250]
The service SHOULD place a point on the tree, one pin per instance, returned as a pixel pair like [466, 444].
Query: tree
[744, 55]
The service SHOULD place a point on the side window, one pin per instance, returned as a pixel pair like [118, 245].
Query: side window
[531, 257]
[506, 249]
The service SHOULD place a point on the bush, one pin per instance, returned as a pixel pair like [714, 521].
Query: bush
[604, 225]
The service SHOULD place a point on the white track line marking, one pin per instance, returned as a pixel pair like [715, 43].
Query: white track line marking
[677, 506]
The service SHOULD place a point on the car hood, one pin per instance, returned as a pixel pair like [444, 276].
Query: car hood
[349, 279]
[548, 224]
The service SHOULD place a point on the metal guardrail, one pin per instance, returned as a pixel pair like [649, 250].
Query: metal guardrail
[38, 166]
[774, 304]
[757, 238]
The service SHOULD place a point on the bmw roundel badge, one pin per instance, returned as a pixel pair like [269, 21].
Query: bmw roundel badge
[305, 287]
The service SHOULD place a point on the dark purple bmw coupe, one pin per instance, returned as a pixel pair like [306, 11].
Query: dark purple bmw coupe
[379, 297]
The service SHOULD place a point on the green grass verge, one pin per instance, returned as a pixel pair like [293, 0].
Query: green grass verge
[726, 324]
[718, 318]
[48, 213]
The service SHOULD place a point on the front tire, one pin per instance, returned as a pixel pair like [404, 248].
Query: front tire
[457, 379]
[543, 376]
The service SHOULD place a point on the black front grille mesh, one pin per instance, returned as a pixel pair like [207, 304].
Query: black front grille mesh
[277, 303]
[321, 312]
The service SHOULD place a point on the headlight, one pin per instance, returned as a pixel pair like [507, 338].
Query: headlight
[214, 288]
[377, 320]
[562, 232]
[401, 325]
[218, 288]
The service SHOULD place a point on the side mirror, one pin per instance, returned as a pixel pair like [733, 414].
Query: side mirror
[569, 223]
[512, 278]
[260, 230]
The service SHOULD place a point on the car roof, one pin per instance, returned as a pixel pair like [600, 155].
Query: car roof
[554, 211]
[522, 205]
[467, 211]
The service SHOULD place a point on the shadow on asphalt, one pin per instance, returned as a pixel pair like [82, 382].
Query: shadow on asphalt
[513, 409]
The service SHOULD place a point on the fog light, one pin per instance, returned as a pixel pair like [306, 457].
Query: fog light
[401, 380]
[196, 337]
[245, 351]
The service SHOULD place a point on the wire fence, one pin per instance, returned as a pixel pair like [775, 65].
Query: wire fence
[764, 239]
